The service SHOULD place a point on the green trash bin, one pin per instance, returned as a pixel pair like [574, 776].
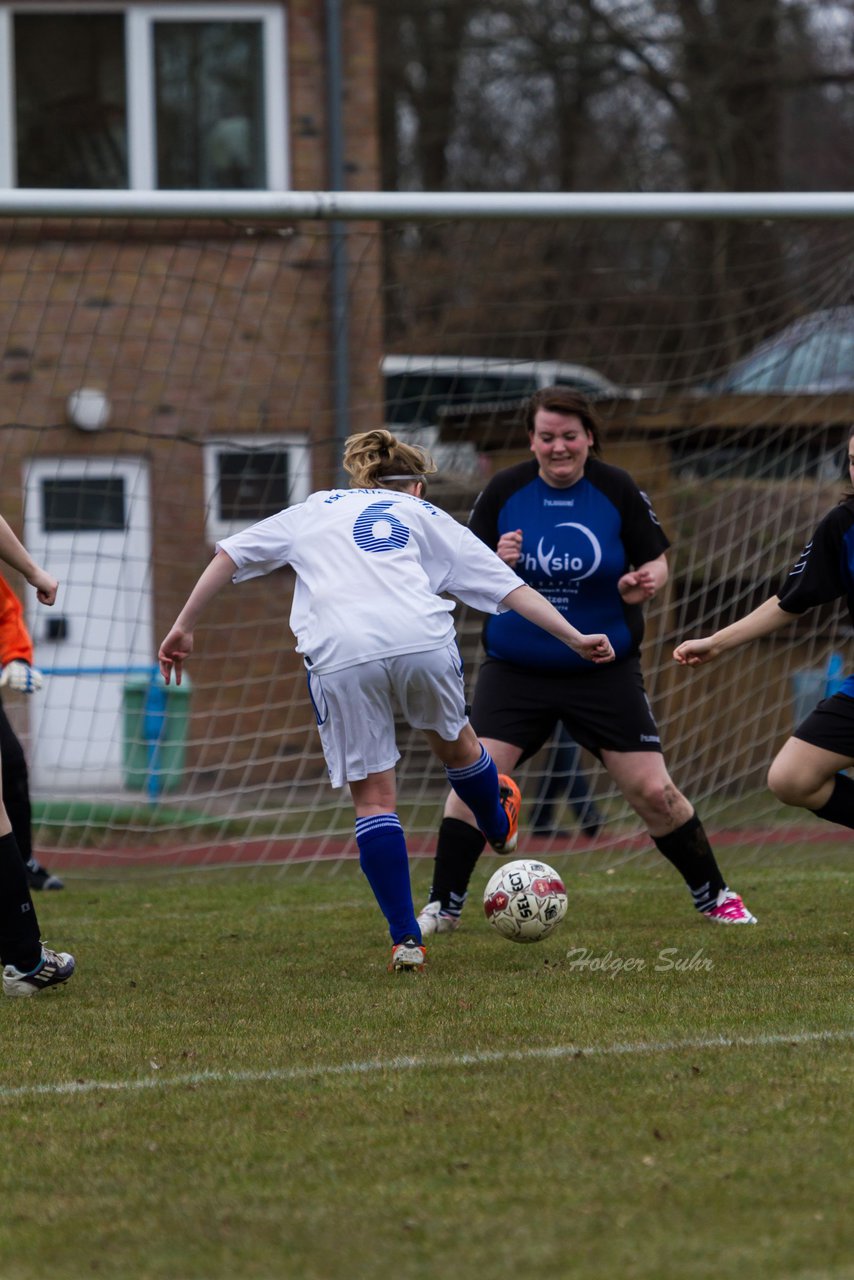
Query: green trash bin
[156, 719]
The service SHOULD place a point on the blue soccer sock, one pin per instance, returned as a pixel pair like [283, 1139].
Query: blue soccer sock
[385, 862]
[477, 787]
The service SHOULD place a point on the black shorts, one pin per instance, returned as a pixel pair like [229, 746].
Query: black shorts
[830, 725]
[605, 708]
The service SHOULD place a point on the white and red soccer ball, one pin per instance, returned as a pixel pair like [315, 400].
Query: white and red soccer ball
[525, 900]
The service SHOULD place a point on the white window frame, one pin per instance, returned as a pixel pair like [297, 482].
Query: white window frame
[299, 469]
[7, 101]
[139, 66]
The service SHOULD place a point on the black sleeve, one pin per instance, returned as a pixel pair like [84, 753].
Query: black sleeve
[483, 520]
[820, 573]
[642, 534]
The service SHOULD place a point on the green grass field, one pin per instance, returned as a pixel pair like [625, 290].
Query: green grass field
[232, 1085]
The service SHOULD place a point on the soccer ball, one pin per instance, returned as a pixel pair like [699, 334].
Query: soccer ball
[525, 900]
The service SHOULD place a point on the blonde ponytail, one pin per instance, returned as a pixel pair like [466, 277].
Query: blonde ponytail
[378, 460]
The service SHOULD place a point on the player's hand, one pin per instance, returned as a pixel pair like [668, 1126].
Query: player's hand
[694, 653]
[595, 648]
[20, 676]
[509, 548]
[177, 646]
[637, 586]
[45, 585]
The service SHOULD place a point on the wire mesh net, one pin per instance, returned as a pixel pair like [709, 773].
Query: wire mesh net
[168, 382]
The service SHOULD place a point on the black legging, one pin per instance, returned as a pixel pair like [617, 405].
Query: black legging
[19, 926]
[16, 786]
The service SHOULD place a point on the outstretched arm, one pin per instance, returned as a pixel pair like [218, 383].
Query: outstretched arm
[537, 609]
[178, 645]
[13, 551]
[767, 618]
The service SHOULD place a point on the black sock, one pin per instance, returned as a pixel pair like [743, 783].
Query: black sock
[840, 806]
[457, 850]
[689, 851]
[20, 938]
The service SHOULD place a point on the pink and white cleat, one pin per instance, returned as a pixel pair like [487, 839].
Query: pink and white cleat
[729, 909]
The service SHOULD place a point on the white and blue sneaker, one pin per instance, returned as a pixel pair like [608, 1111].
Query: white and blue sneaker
[54, 968]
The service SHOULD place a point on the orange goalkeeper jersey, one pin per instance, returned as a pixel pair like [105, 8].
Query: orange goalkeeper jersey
[15, 640]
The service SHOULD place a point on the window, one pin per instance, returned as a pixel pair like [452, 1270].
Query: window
[208, 105]
[419, 399]
[248, 479]
[70, 104]
[175, 97]
[91, 504]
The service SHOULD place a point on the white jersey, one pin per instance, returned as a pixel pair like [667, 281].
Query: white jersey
[371, 565]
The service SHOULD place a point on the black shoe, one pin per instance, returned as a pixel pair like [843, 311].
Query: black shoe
[38, 877]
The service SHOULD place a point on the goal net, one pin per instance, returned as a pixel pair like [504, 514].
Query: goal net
[167, 381]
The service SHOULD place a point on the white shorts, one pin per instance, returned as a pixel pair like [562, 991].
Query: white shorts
[355, 708]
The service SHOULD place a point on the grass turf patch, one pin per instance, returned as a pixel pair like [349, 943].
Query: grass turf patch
[273, 1103]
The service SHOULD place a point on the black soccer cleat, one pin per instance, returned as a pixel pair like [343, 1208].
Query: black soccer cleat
[38, 877]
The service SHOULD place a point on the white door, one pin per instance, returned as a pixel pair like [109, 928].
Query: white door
[88, 523]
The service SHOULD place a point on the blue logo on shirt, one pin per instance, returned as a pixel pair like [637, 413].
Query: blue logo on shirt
[571, 556]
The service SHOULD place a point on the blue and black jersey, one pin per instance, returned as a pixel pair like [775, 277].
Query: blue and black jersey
[576, 545]
[824, 570]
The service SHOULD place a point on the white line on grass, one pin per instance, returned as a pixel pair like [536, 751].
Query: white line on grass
[484, 1057]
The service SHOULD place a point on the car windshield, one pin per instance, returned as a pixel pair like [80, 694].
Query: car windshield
[423, 399]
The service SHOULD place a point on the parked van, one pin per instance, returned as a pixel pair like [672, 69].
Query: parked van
[423, 391]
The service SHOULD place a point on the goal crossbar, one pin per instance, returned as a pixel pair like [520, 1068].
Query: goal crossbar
[355, 205]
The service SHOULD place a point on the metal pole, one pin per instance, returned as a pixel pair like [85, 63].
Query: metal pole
[338, 248]
[274, 206]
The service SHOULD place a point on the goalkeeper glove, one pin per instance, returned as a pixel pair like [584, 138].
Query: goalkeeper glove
[20, 676]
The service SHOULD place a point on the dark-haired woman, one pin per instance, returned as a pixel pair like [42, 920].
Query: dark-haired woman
[584, 535]
[372, 565]
[806, 770]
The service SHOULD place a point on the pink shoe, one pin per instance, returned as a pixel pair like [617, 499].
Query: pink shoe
[729, 909]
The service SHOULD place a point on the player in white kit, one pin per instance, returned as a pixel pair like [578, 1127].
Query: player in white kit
[372, 565]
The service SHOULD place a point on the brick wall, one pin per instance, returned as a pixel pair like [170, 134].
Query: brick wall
[194, 331]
